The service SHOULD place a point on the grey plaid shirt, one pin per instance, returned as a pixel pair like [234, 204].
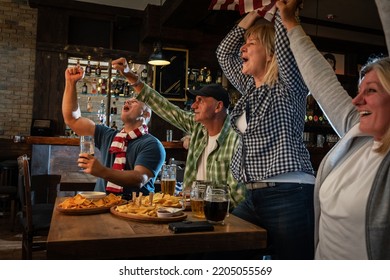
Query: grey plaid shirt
[272, 143]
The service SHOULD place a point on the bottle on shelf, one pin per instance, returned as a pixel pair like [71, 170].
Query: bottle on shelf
[99, 86]
[98, 70]
[102, 112]
[202, 74]
[316, 112]
[114, 109]
[219, 77]
[309, 108]
[121, 86]
[126, 89]
[84, 89]
[104, 86]
[191, 78]
[94, 86]
[88, 68]
[144, 75]
[89, 105]
[209, 78]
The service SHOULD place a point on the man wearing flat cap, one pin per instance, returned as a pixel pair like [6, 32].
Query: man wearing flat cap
[212, 140]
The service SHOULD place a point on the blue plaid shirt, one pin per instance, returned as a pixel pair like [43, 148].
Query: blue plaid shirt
[272, 144]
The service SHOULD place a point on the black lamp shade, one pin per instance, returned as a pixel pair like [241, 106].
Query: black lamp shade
[157, 57]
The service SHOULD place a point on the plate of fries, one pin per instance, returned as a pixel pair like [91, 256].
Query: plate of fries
[80, 205]
[145, 209]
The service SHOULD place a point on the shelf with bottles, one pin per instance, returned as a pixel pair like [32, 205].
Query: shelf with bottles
[119, 85]
[315, 118]
[198, 78]
[96, 76]
[318, 134]
[105, 113]
[102, 88]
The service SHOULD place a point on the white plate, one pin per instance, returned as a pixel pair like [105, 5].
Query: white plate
[166, 212]
[93, 195]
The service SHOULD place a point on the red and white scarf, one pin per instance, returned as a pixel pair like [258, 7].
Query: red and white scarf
[265, 8]
[119, 148]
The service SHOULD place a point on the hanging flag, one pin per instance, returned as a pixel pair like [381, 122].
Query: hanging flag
[265, 8]
[224, 5]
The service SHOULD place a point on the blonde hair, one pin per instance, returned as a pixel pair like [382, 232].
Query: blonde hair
[382, 68]
[265, 33]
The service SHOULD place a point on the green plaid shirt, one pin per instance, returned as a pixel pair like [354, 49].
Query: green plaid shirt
[218, 162]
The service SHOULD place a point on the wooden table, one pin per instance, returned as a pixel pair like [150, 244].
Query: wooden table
[105, 236]
[77, 181]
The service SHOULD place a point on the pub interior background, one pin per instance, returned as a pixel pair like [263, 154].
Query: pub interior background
[38, 37]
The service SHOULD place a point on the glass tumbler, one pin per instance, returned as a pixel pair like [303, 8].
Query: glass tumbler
[87, 145]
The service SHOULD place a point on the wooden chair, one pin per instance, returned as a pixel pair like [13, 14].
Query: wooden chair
[8, 187]
[36, 217]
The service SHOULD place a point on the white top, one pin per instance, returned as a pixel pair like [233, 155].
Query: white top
[241, 123]
[202, 163]
[343, 198]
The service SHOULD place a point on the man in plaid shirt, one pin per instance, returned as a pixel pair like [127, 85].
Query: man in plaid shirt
[212, 141]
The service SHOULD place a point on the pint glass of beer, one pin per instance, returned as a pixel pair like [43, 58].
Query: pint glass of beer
[197, 198]
[216, 204]
[168, 179]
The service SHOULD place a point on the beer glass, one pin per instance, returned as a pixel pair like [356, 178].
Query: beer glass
[168, 179]
[224, 186]
[216, 204]
[87, 145]
[196, 198]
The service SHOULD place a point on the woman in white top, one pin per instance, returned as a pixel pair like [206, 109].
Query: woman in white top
[352, 192]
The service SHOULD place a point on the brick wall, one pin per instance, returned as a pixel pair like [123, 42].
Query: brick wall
[18, 24]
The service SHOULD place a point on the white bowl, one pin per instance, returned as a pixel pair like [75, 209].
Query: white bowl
[93, 195]
[167, 212]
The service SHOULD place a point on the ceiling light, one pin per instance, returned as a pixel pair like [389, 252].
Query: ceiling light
[157, 57]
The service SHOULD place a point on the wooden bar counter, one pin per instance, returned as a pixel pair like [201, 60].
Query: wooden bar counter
[72, 141]
[58, 155]
[106, 236]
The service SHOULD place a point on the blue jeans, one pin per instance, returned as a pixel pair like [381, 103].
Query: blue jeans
[286, 211]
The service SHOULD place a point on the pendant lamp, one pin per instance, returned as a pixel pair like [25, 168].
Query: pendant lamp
[157, 57]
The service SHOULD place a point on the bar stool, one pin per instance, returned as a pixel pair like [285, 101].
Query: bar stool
[8, 189]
